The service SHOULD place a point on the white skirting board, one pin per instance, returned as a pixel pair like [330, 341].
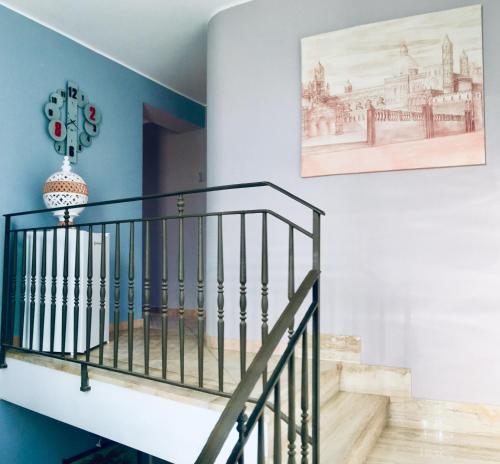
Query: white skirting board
[96, 271]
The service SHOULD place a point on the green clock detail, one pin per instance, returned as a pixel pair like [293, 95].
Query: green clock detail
[63, 110]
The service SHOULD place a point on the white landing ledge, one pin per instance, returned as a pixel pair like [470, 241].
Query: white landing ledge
[168, 422]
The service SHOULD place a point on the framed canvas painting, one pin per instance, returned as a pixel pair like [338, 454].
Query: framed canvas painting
[399, 94]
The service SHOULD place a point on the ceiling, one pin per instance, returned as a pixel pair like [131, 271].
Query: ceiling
[164, 40]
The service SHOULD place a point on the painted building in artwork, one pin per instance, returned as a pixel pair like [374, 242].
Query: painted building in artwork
[409, 89]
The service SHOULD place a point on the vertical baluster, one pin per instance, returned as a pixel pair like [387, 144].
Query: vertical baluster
[164, 298]
[22, 296]
[13, 287]
[32, 290]
[116, 319]
[131, 296]
[4, 324]
[291, 362]
[265, 282]
[315, 384]
[53, 290]
[277, 424]
[243, 297]
[261, 452]
[180, 209]
[90, 272]
[315, 341]
[241, 429]
[43, 289]
[201, 301]
[304, 403]
[76, 293]
[146, 307]
[65, 289]
[102, 294]
[220, 302]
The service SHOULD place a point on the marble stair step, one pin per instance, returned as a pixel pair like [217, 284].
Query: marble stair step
[399, 445]
[351, 424]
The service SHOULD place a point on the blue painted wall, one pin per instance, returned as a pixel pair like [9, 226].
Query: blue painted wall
[28, 437]
[34, 61]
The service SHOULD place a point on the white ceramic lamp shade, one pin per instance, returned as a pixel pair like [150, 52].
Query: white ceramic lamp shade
[65, 188]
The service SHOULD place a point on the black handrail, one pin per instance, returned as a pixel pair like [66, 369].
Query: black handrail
[234, 411]
[240, 396]
[171, 194]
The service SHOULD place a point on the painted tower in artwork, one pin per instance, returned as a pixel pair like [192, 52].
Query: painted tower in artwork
[447, 49]
[464, 64]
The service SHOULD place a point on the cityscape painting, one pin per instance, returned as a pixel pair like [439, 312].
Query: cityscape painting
[399, 94]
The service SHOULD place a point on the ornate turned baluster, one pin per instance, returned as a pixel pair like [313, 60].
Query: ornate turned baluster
[201, 300]
[32, 290]
[164, 298]
[53, 290]
[13, 287]
[146, 307]
[116, 320]
[102, 294]
[265, 290]
[243, 297]
[131, 296]
[90, 271]
[220, 302]
[291, 362]
[76, 307]
[43, 289]
[65, 289]
[22, 302]
[180, 209]
[304, 403]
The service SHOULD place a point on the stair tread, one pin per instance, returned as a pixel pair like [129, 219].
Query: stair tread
[408, 446]
[348, 421]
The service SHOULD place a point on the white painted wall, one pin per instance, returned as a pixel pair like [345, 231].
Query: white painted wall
[411, 260]
[171, 430]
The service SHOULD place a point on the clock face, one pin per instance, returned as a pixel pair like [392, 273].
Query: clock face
[73, 121]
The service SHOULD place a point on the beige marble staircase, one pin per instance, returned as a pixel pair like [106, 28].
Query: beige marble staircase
[373, 418]
[351, 424]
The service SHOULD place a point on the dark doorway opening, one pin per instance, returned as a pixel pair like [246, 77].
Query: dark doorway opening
[174, 159]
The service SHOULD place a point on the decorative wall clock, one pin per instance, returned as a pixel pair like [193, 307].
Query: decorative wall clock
[63, 111]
